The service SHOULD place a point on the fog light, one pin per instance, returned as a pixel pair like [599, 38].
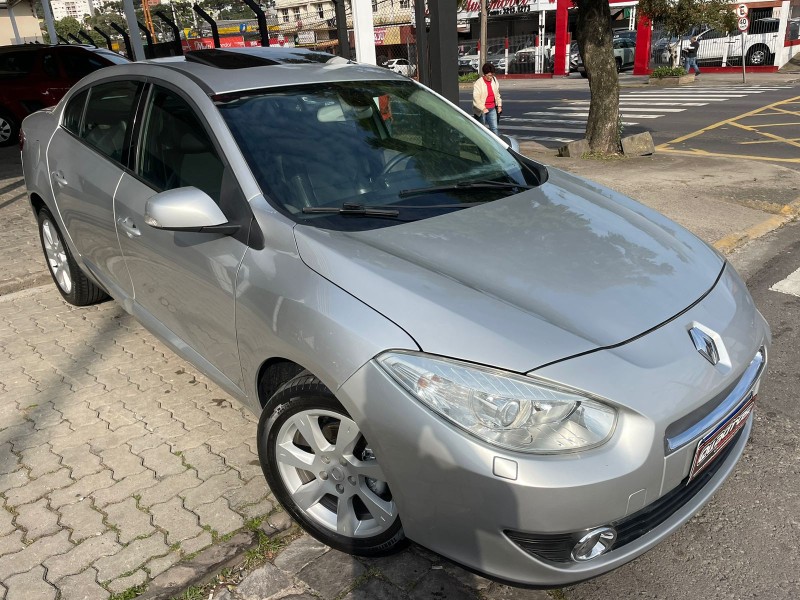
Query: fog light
[593, 544]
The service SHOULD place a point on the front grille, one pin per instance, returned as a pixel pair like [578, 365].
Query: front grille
[558, 547]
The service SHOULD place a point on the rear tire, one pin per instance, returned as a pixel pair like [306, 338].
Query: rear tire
[9, 129]
[323, 472]
[758, 56]
[74, 285]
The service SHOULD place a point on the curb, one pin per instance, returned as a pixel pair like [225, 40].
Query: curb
[733, 241]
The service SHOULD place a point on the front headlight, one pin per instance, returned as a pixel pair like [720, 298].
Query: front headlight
[515, 412]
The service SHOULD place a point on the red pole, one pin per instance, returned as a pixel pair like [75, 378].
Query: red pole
[644, 34]
[562, 21]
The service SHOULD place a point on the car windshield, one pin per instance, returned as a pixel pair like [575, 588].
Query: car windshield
[364, 145]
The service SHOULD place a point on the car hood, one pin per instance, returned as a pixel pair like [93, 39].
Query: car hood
[520, 282]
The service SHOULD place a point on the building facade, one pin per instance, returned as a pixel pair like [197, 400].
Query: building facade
[18, 23]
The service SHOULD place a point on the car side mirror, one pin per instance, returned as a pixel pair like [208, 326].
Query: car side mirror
[511, 141]
[186, 209]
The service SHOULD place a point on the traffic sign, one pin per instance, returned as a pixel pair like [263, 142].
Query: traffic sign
[743, 24]
[741, 10]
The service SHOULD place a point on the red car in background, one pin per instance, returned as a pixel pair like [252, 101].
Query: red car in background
[36, 76]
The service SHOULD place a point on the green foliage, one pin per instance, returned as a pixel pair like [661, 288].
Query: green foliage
[661, 72]
[468, 78]
[66, 26]
[130, 593]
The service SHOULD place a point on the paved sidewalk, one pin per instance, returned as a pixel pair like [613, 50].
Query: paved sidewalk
[117, 459]
[21, 264]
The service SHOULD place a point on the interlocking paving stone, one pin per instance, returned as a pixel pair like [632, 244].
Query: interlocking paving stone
[162, 461]
[179, 523]
[121, 461]
[211, 489]
[80, 461]
[35, 554]
[11, 543]
[158, 565]
[83, 487]
[123, 583]
[37, 520]
[83, 586]
[169, 488]
[205, 462]
[219, 517]
[81, 556]
[29, 585]
[503, 592]
[130, 557]
[40, 460]
[129, 521]
[125, 488]
[82, 519]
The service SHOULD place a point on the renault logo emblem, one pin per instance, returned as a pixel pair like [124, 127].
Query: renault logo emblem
[705, 345]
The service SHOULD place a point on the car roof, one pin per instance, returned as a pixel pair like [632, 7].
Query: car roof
[220, 71]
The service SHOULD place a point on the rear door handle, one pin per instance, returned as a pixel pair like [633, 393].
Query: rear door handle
[129, 227]
[58, 177]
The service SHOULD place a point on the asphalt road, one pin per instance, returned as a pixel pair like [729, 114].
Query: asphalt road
[759, 120]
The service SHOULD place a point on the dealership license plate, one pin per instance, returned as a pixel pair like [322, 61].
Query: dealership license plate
[713, 443]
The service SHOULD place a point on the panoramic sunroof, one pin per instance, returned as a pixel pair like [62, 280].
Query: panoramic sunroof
[243, 58]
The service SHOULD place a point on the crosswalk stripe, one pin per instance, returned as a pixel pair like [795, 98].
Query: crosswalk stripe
[642, 108]
[677, 98]
[561, 121]
[555, 129]
[537, 138]
[586, 114]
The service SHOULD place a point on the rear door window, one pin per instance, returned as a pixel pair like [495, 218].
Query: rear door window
[17, 63]
[73, 113]
[109, 114]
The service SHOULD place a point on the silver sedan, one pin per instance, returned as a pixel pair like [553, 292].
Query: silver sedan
[445, 341]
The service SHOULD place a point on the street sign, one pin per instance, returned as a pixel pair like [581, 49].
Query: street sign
[741, 10]
[743, 24]
[242, 27]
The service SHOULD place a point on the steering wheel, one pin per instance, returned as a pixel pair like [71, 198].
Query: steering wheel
[393, 162]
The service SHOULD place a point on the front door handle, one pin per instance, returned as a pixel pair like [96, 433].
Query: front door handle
[129, 227]
[58, 177]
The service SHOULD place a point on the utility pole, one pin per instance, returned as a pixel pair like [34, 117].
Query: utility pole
[483, 42]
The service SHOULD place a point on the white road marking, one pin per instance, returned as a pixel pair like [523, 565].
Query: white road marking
[790, 285]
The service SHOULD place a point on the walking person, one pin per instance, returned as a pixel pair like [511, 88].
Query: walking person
[486, 101]
[690, 53]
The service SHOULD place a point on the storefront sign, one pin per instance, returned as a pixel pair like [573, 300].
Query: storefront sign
[497, 7]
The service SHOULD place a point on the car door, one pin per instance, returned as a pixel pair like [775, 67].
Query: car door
[184, 282]
[85, 160]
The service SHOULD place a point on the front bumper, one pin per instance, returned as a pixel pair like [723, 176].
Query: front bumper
[479, 505]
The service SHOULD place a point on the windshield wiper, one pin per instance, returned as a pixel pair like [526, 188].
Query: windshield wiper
[465, 185]
[357, 210]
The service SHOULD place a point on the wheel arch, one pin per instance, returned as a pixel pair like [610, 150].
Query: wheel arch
[272, 374]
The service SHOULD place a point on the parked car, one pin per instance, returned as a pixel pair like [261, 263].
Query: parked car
[759, 45]
[524, 60]
[624, 54]
[445, 341]
[35, 76]
[402, 66]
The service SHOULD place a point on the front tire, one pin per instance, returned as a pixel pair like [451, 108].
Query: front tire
[323, 471]
[74, 285]
[9, 129]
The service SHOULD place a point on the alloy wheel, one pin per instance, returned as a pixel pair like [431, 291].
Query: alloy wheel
[332, 475]
[56, 256]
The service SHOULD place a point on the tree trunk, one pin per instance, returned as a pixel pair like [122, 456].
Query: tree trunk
[593, 32]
